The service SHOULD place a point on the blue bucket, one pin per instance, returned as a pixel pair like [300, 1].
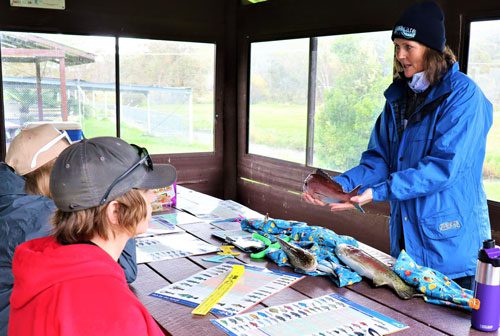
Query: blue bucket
[75, 134]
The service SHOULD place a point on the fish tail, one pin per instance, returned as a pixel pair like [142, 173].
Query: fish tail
[357, 206]
[353, 193]
[406, 292]
[322, 173]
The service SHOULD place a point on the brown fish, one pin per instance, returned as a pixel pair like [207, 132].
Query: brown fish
[322, 187]
[367, 266]
[299, 257]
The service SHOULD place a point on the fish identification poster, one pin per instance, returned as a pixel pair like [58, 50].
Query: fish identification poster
[326, 315]
[256, 284]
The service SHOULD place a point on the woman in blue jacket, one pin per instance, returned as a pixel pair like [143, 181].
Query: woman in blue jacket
[26, 206]
[426, 152]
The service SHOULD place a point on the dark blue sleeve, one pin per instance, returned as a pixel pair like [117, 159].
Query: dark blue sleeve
[22, 217]
[40, 210]
[128, 262]
[374, 164]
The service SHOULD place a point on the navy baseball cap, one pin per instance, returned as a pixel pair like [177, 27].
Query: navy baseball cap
[95, 171]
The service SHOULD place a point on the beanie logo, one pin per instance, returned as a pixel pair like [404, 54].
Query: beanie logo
[406, 32]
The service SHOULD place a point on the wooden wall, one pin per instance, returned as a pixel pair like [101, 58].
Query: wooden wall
[274, 186]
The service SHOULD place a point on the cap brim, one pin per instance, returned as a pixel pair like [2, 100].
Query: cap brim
[161, 176]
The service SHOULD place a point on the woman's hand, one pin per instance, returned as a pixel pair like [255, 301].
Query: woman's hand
[312, 200]
[364, 198]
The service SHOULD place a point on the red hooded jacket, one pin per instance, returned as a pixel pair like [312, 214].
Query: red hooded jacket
[73, 290]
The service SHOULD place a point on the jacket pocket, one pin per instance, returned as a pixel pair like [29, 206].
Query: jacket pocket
[447, 245]
[444, 225]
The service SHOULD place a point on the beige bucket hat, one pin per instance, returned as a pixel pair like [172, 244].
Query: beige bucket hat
[34, 147]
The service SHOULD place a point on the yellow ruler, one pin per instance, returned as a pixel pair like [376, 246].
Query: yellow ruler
[221, 290]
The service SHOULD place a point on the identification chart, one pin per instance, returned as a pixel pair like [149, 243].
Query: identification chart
[180, 218]
[326, 315]
[211, 209]
[256, 284]
[161, 224]
[224, 211]
[170, 246]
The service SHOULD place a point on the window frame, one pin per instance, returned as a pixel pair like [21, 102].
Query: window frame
[311, 96]
[162, 157]
[464, 50]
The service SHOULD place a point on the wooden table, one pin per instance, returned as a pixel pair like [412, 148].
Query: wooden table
[176, 319]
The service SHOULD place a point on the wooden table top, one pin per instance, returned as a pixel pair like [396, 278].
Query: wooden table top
[176, 319]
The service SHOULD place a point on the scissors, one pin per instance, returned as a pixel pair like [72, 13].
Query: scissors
[269, 245]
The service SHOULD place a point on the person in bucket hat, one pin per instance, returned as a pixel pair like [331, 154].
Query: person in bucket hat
[70, 283]
[426, 152]
[25, 204]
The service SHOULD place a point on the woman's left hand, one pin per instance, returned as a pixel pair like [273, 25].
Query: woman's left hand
[364, 198]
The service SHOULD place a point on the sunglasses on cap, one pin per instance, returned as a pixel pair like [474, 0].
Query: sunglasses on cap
[49, 145]
[144, 158]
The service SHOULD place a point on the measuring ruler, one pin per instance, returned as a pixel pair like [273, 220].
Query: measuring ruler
[221, 290]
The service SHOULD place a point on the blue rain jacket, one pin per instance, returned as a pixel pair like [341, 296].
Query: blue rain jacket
[24, 217]
[432, 175]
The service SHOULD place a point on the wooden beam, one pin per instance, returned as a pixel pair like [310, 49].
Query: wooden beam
[39, 90]
[64, 97]
[21, 52]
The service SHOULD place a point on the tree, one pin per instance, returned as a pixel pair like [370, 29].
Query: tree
[352, 101]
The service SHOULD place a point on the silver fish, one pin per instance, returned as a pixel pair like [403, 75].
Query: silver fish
[367, 266]
[299, 257]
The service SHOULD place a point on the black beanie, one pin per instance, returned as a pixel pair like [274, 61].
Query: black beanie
[424, 23]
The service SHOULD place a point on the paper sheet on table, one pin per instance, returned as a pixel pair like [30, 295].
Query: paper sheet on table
[170, 246]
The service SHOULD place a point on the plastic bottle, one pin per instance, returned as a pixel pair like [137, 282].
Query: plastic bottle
[486, 313]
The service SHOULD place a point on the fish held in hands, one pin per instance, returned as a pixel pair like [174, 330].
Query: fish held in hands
[299, 257]
[367, 266]
[320, 185]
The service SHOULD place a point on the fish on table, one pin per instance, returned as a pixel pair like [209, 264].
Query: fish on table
[299, 257]
[369, 267]
[321, 186]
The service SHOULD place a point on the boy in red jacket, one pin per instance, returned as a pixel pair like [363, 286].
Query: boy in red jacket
[70, 283]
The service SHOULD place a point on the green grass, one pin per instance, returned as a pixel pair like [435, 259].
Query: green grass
[492, 162]
[492, 189]
[155, 145]
[203, 117]
[203, 113]
[93, 127]
[282, 126]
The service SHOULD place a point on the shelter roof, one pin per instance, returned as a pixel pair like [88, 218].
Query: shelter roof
[26, 48]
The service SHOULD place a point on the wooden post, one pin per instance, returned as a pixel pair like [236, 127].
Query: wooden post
[149, 113]
[105, 104]
[93, 104]
[64, 97]
[311, 99]
[190, 116]
[39, 89]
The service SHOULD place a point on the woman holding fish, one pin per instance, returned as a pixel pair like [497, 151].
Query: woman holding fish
[426, 152]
